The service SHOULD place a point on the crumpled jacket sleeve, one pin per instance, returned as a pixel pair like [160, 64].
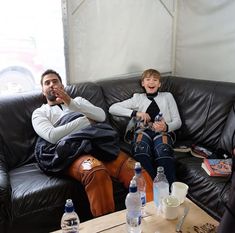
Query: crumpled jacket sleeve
[46, 130]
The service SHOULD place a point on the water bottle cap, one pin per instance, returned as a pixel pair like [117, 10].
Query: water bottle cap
[160, 169]
[158, 117]
[133, 186]
[69, 206]
[137, 168]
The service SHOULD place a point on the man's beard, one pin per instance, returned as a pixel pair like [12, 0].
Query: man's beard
[51, 96]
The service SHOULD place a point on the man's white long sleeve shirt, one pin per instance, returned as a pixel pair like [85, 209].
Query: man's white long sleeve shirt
[45, 118]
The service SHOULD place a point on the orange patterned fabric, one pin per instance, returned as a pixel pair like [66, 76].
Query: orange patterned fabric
[122, 169]
[98, 184]
[96, 178]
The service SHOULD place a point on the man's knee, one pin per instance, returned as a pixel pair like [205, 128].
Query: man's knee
[97, 182]
[87, 168]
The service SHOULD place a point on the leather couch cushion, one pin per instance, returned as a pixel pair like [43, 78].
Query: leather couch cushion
[42, 196]
[89, 91]
[227, 140]
[193, 98]
[16, 130]
[39, 198]
[220, 106]
[116, 91]
[203, 105]
[204, 190]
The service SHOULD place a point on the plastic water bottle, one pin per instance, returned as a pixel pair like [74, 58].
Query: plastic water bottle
[158, 117]
[160, 188]
[141, 186]
[70, 220]
[133, 205]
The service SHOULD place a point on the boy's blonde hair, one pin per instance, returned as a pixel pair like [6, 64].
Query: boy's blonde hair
[150, 72]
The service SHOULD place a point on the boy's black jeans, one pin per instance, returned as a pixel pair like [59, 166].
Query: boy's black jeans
[153, 149]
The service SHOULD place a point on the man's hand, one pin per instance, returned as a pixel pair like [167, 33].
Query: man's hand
[143, 116]
[62, 96]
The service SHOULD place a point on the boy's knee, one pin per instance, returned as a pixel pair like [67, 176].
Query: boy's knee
[141, 148]
[163, 150]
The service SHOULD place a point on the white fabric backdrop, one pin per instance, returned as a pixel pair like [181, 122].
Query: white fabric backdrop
[109, 38]
[205, 46]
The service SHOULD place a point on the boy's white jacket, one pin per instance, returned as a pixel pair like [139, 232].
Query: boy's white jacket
[139, 102]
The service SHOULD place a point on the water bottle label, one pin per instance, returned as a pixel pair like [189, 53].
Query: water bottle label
[143, 198]
[134, 221]
[161, 190]
[156, 196]
[71, 222]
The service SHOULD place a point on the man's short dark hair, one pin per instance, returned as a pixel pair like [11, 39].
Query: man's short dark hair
[50, 71]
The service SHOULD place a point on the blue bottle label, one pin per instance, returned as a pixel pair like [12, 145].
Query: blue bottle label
[143, 198]
[134, 221]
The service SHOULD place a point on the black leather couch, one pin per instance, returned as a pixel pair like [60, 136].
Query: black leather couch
[207, 110]
[31, 201]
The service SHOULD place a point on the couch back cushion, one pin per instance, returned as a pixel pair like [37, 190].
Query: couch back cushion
[203, 105]
[117, 90]
[193, 98]
[227, 140]
[90, 91]
[221, 106]
[16, 131]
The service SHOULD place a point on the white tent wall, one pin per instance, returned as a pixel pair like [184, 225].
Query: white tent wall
[205, 45]
[117, 38]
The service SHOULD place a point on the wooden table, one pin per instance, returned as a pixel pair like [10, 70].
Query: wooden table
[151, 223]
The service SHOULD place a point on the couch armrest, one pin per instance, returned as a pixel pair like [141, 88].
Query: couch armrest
[5, 195]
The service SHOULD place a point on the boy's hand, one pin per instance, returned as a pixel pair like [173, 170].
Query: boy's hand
[160, 126]
[143, 116]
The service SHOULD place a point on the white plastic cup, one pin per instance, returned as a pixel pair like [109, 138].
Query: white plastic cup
[170, 206]
[179, 190]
